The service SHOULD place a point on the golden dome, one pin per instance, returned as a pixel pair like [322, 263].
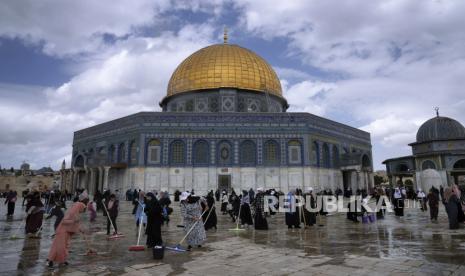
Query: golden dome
[224, 66]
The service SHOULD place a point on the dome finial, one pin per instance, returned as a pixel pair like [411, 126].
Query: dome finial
[437, 111]
[225, 36]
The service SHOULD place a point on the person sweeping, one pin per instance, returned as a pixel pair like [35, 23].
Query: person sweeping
[191, 211]
[112, 206]
[69, 226]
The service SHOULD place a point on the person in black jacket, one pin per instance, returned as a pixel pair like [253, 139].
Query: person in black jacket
[112, 205]
[154, 221]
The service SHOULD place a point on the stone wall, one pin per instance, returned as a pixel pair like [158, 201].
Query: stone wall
[19, 183]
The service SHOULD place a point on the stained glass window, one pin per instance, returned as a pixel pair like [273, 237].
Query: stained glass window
[247, 153]
[177, 152]
[201, 153]
[153, 151]
[271, 152]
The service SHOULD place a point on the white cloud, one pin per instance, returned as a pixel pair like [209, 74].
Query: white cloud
[388, 63]
[131, 79]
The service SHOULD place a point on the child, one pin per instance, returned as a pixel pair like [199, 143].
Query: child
[57, 212]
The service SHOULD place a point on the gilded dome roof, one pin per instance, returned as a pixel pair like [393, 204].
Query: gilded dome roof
[224, 66]
[440, 128]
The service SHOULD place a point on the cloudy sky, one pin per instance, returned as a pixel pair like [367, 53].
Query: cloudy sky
[381, 66]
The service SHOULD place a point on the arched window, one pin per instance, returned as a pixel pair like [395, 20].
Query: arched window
[101, 153]
[460, 164]
[177, 153]
[335, 157]
[224, 153]
[79, 161]
[122, 153]
[295, 152]
[428, 164]
[201, 153]
[271, 153]
[133, 153]
[247, 155]
[326, 157]
[154, 152]
[366, 164]
[315, 154]
[112, 154]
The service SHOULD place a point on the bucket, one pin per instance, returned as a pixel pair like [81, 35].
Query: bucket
[158, 252]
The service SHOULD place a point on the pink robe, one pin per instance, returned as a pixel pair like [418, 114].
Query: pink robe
[68, 227]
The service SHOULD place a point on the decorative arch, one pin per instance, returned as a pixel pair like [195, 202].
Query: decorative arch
[201, 154]
[271, 153]
[79, 161]
[248, 153]
[225, 154]
[366, 162]
[326, 156]
[460, 164]
[112, 154]
[153, 151]
[177, 152]
[294, 152]
[133, 153]
[336, 157]
[122, 153]
[316, 153]
[428, 164]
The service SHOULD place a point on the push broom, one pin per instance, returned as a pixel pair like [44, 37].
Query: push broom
[178, 247]
[115, 235]
[139, 247]
[237, 221]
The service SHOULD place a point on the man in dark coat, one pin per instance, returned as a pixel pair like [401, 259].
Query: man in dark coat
[433, 201]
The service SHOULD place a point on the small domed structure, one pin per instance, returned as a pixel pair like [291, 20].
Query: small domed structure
[25, 166]
[440, 128]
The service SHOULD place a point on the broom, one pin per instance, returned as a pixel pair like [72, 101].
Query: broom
[138, 247]
[178, 247]
[116, 235]
[237, 221]
[209, 213]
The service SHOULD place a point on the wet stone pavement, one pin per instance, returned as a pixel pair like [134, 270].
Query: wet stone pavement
[411, 245]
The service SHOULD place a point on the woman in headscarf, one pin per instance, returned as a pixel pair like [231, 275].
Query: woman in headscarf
[259, 205]
[209, 217]
[11, 201]
[224, 203]
[309, 217]
[112, 207]
[35, 213]
[398, 203]
[246, 214]
[154, 221]
[191, 211]
[452, 204]
[69, 226]
[165, 202]
[422, 200]
[433, 201]
[292, 217]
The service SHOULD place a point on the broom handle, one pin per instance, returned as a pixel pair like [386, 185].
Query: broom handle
[140, 222]
[238, 217]
[209, 213]
[108, 217]
[190, 230]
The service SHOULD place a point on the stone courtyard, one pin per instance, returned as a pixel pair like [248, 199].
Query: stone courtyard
[411, 245]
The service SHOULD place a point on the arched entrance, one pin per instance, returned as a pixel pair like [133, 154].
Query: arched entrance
[458, 172]
[430, 178]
